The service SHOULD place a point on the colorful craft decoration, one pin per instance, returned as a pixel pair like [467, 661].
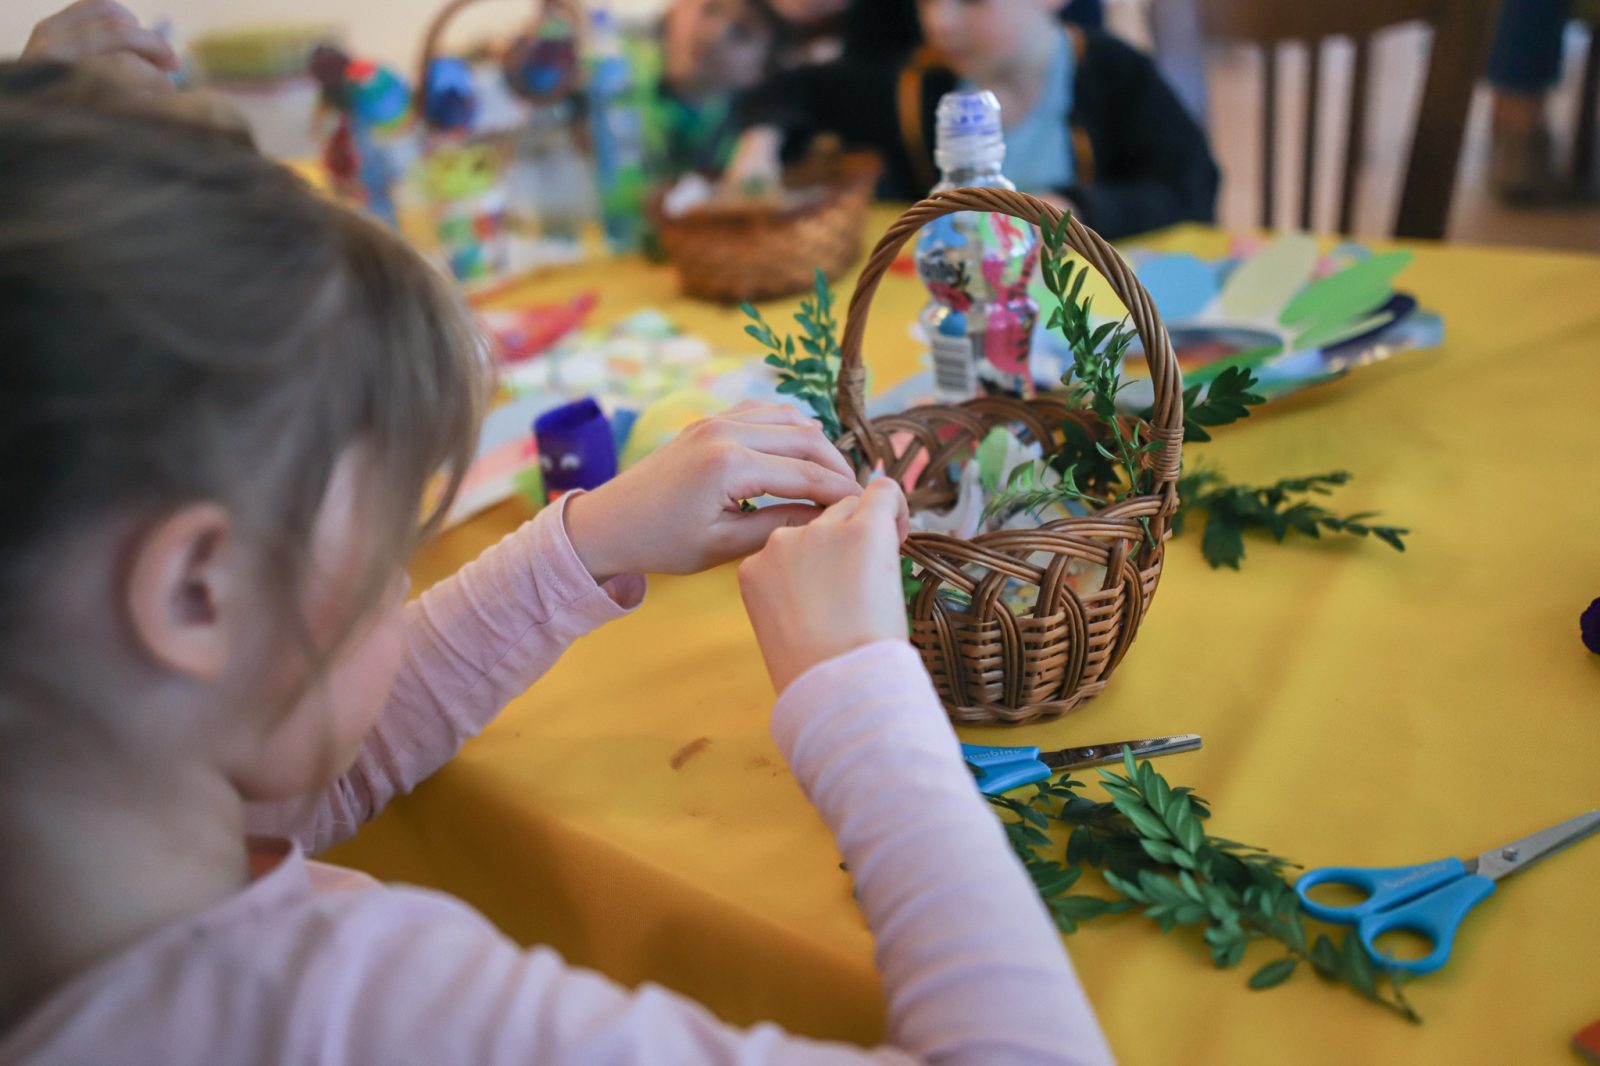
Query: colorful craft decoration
[524, 332]
[463, 190]
[1296, 318]
[576, 449]
[543, 65]
[371, 145]
[449, 97]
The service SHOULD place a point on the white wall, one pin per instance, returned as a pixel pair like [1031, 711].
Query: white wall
[387, 30]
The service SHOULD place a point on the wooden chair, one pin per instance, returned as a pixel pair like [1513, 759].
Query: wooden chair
[1461, 33]
[1583, 138]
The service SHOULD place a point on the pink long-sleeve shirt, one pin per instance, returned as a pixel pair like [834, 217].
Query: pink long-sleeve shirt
[311, 963]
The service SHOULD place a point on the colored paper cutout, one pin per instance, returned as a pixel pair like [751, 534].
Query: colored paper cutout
[1181, 285]
[1269, 279]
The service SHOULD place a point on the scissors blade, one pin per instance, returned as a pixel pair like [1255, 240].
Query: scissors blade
[1100, 754]
[1518, 854]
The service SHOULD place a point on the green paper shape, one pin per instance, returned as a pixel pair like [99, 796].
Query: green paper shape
[991, 453]
[1250, 357]
[1268, 280]
[1327, 334]
[1327, 306]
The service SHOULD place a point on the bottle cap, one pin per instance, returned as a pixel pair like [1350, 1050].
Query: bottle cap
[967, 131]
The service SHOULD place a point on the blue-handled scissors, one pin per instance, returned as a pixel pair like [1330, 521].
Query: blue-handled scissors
[1432, 899]
[1001, 769]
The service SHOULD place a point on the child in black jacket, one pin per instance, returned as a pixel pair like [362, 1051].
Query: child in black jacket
[1089, 121]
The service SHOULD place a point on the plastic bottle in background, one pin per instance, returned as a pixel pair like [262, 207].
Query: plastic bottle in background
[976, 265]
[617, 127]
[552, 185]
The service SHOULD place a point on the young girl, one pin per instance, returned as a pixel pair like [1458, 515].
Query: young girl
[221, 399]
[1089, 121]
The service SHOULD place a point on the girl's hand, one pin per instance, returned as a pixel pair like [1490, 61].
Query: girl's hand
[104, 34]
[677, 511]
[832, 587]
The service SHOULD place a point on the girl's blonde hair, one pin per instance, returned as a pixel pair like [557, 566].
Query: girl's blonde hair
[183, 320]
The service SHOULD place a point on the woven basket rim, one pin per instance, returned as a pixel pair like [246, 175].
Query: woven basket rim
[857, 170]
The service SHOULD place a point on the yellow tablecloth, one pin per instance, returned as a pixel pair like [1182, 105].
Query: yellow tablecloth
[1358, 707]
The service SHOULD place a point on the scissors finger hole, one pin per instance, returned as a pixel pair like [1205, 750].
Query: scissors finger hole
[1404, 945]
[1337, 894]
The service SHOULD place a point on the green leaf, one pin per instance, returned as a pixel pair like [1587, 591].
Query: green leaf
[1273, 973]
[1222, 543]
[1033, 836]
[1158, 794]
[1325, 957]
[1145, 821]
[1082, 908]
[1127, 888]
[1078, 845]
[1357, 969]
[1157, 850]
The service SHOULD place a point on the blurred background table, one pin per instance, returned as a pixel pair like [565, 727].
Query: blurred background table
[1358, 706]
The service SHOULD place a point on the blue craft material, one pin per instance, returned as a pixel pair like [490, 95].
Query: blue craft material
[1181, 285]
[576, 448]
[449, 100]
[622, 420]
[378, 96]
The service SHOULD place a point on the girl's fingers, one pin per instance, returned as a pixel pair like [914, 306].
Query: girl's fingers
[775, 414]
[134, 73]
[884, 502]
[750, 531]
[839, 512]
[86, 11]
[796, 442]
[110, 36]
[760, 474]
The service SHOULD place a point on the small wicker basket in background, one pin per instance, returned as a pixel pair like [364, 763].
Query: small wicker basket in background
[760, 251]
[991, 663]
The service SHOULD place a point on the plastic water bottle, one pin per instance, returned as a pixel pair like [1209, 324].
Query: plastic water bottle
[551, 185]
[618, 130]
[976, 265]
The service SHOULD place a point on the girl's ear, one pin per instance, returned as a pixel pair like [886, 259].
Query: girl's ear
[182, 592]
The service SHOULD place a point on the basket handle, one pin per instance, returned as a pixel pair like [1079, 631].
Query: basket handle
[435, 34]
[1167, 380]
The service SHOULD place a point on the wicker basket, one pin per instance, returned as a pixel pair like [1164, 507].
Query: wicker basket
[990, 664]
[760, 252]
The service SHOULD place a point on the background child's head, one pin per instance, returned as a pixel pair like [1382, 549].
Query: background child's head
[719, 46]
[221, 400]
[984, 40]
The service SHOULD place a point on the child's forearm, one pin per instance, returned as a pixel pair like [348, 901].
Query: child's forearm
[473, 642]
[973, 968]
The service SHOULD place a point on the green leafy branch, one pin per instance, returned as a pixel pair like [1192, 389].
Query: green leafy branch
[1097, 353]
[812, 374]
[1151, 849]
[1279, 508]
[1026, 491]
[1229, 399]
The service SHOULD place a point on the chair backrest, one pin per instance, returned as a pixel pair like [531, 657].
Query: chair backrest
[1461, 32]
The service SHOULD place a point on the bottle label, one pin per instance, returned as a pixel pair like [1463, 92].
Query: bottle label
[955, 368]
[977, 267]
